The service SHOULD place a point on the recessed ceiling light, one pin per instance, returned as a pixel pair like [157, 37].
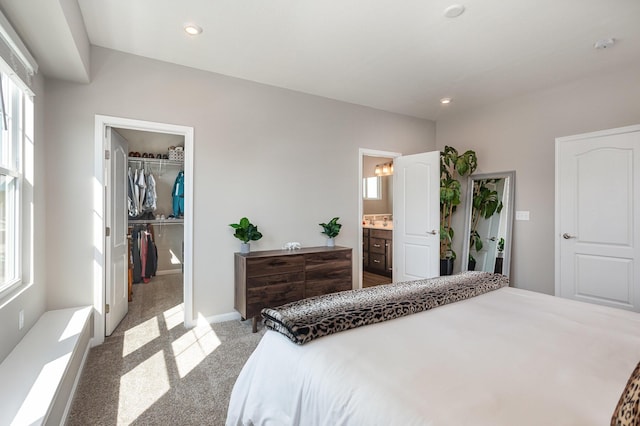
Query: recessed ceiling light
[445, 101]
[604, 43]
[454, 11]
[192, 29]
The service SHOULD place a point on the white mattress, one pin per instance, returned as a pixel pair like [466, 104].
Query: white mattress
[508, 357]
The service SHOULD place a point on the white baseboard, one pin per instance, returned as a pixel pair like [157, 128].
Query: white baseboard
[169, 272]
[231, 316]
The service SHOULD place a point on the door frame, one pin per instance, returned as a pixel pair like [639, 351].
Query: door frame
[558, 231]
[365, 152]
[100, 221]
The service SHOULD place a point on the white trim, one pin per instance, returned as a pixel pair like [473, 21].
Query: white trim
[169, 272]
[101, 123]
[231, 316]
[365, 152]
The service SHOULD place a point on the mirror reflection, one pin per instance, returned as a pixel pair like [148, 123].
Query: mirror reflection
[488, 223]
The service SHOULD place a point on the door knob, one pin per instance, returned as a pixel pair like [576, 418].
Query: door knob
[432, 232]
[567, 236]
[492, 238]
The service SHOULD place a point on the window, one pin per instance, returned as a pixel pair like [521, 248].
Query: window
[371, 188]
[12, 140]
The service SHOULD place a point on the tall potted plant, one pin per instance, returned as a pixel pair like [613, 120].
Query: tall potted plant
[245, 231]
[452, 167]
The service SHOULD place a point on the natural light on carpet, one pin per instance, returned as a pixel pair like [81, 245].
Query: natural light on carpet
[192, 348]
[174, 316]
[149, 381]
[140, 335]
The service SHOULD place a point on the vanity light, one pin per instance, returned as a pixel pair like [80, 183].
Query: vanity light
[192, 29]
[385, 169]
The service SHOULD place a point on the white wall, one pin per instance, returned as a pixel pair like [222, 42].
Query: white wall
[31, 298]
[519, 134]
[286, 160]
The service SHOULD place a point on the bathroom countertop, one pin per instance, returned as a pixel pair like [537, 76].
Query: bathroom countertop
[379, 226]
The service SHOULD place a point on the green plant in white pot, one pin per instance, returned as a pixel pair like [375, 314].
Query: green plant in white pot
[245, 231]
[331, 230]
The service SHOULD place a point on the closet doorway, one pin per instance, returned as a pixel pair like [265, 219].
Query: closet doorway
[168, 219]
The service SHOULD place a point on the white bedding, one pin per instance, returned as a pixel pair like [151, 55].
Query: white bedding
[508, 357]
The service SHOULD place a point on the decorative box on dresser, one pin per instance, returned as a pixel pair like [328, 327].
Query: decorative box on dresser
[271, 278]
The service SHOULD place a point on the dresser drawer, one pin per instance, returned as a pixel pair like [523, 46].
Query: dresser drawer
[327, 261]
[377, 261]
[381, 233]
[276, 279]
[272, 296]
[274, 265]
[377, 245]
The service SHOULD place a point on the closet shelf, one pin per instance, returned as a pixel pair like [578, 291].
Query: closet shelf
[157, 222]
[160, 161]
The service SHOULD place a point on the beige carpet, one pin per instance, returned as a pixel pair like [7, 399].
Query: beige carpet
[153, 371]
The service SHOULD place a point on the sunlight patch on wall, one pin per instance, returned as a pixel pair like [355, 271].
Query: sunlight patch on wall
[174, 258]
[192, 348]
[140, 335]
[149, 381]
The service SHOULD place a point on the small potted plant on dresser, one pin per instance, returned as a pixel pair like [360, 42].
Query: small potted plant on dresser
[245, 231]
[331, 230]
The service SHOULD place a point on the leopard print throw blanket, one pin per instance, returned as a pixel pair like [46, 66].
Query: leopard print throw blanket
[308, 319]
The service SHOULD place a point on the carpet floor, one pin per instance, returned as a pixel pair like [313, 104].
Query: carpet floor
[154, 371]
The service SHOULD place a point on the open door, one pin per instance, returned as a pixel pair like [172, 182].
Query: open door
[416, 215]
[116, 244]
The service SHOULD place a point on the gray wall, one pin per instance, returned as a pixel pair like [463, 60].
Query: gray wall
[32, 297]
[286, 160]
[519, 134]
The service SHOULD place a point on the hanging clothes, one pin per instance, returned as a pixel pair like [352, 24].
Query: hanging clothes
[178, 195]
[151, 197]
[131, 205]
[144, 253]
[135, 254]
[142, 185]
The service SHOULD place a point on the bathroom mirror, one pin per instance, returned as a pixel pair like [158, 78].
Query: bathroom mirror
[489, 222]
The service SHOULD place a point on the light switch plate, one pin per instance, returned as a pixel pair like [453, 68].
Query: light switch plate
[522, 215]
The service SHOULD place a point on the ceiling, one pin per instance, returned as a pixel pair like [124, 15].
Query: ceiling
[399, 56]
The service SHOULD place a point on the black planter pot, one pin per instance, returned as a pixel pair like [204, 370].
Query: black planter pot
[472, 265]
[498, 266]
[446, 266]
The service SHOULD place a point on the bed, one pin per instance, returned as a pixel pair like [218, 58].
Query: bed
[505, 357]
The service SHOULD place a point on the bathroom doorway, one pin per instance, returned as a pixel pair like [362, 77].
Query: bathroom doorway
[376, 215]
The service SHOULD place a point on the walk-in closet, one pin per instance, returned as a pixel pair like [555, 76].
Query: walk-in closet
[155, 206]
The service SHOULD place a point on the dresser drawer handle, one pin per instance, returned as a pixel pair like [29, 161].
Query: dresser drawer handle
[376, 261]
[377, 245]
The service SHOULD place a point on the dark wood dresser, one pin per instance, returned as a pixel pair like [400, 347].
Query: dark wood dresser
[274, 277]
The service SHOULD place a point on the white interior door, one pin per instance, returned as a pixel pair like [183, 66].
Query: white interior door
[597, 232]
[116, 243]
[416, 216]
